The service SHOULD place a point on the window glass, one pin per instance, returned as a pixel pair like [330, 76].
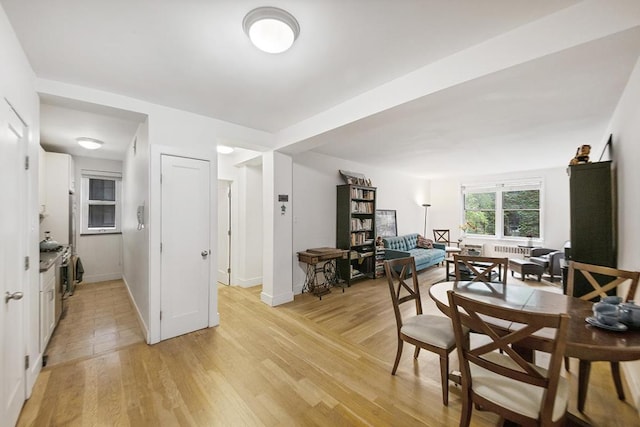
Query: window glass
[503, 210]
[102, 216]
[101, 198]
[480, 213]
[521, 213]
[102, 189]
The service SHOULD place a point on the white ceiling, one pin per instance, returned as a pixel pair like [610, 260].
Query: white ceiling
[193, 55]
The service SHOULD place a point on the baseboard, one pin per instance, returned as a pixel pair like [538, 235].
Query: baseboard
[101, 277]
[276, 300]
[248, 283]
[143, 325]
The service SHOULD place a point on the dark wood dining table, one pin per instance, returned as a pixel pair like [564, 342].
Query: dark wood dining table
[585, 342]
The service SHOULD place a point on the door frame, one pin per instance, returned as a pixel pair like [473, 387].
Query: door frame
[155, 210]
[230, 245]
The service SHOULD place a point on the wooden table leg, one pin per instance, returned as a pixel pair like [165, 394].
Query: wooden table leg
[617, 380]
[583, 381]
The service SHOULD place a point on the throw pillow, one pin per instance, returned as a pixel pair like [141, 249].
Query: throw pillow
[425, 243]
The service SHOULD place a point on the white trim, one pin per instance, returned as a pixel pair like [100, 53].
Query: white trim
[141, 323]
[85, 176]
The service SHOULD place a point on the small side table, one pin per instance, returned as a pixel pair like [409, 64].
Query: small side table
[322, 260]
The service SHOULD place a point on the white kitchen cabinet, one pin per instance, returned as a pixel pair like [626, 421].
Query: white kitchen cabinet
[42, 171]
[47, 306]
[58, 184]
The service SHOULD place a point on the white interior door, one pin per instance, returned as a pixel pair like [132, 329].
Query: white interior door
[12, 354]
[185, 250]
[224, 232]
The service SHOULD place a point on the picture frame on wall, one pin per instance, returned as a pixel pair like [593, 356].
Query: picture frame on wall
[386, 225]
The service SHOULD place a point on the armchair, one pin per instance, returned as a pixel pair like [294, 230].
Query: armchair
[549, 259]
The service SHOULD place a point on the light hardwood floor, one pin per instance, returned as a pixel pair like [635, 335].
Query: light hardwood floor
[98, 318]
[309, 362]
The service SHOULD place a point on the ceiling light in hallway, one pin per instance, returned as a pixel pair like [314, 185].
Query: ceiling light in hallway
[223, 149]
[270, 29]
[89, 143]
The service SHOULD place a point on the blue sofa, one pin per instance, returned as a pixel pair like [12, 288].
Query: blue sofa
[405, 246]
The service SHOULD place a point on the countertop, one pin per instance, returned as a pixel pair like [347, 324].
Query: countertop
[48, 259]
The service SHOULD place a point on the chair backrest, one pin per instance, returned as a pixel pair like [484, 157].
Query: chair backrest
[402, 287]
[481, 269]
[442, 236]
[606, 279]
[478, 316]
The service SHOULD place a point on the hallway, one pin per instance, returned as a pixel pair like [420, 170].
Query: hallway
[98, 318]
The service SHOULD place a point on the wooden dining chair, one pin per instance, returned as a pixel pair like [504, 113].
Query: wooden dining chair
[481, 269]
[596, 282]
[433, 333]
[444, 236]
[504, 382]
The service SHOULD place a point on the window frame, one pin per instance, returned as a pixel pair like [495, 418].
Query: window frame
[87, 175]
[498, 188]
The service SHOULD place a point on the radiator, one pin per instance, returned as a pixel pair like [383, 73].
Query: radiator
[512, 250]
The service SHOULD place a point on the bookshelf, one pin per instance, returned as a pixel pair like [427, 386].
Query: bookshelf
[355, 231]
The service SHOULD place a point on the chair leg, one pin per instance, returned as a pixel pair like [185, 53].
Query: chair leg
[467, 407]
[583, 383]
[444, 378]
[416, 352]
[398, 354]
[566, 364]
[617, 380]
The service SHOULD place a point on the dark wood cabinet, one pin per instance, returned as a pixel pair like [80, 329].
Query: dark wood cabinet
[593, 217]
[355, 231]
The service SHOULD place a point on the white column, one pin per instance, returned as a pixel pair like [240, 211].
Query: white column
[277, 271]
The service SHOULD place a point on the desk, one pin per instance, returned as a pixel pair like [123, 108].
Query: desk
[584, 342]
[321, 260]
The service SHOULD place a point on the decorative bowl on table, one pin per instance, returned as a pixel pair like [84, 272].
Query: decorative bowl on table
[611, 299]
[630, 314]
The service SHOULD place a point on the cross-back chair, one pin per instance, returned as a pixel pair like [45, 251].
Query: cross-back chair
[433, 333]
[444, 236]
[504, 382]
[602, 280]
[481, 269]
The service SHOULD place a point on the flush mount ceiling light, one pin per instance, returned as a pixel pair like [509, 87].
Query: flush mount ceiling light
[223, 149]
[89, 143]
[270, 29]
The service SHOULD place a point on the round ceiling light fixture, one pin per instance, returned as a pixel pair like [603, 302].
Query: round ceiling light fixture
[89, 143]
[223, 149]
[270, 29]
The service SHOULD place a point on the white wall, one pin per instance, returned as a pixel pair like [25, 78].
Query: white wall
[315, 178]
[17, 85]
[249, 227]
[277, 249]
[625, 127]
[246, 226]
[101, 254]
[446, 206]
[135, 189]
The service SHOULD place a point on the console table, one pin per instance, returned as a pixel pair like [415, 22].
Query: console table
[322, 260]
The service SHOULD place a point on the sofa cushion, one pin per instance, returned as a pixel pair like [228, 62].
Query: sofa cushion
[426, 256]
[425, 243]
[397, 243]
[411, 240]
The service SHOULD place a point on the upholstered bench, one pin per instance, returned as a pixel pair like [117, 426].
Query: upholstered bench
[524, 267]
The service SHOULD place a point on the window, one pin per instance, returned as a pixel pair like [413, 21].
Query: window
[101, 199]
[504, 210]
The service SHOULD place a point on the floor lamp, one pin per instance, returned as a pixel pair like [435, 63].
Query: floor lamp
[426, 206]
